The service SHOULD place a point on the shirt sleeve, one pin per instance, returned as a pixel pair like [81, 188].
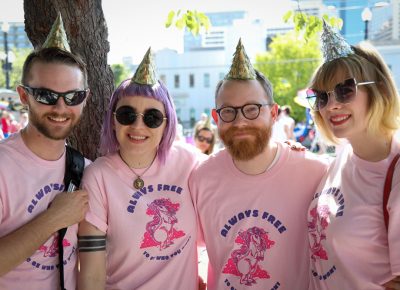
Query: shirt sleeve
[92, 182]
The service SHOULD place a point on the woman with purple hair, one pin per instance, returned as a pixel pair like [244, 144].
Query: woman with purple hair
[140, 231]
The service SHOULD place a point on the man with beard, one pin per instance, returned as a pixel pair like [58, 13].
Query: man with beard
[34, 203]
[252, 197]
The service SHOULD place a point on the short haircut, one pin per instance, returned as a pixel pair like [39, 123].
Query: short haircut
[264, 82]
[128, 88]
[53, 55]
[383, 99]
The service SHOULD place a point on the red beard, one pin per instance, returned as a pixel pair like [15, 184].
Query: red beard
[246, 149]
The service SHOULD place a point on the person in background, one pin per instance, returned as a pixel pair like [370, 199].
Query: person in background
[34, 203]
[5, 123]
[1, 134]
[288, 122]
[354, 97]
[14, 125]
[23, 120]
[204, 137]
[278, 129]
[201, 122]
[140, 231]
[251, 197]
[179, 131]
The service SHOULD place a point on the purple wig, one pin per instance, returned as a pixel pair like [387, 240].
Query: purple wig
[109, 142]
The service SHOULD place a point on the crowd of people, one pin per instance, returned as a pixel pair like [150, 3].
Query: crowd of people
[271, 216]
[10, 124]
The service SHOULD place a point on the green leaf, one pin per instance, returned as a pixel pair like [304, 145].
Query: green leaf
[180, 23]
[287, 16]
[192, 20]
[170, 18]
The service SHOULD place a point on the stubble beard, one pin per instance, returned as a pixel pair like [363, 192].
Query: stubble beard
[246, 149]
[39, 122]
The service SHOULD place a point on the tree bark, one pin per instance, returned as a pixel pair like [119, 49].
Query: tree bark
[87, 33]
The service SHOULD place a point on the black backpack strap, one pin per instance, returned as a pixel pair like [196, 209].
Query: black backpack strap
[74, 165]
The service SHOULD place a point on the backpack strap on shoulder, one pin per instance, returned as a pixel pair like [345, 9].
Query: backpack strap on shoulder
[74, 166]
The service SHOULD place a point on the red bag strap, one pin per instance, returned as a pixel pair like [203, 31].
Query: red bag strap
[387, 188]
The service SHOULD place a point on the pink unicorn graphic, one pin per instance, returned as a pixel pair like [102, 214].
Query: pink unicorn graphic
[52, 249]
[161, 230]
[245, 261]
[316, 231]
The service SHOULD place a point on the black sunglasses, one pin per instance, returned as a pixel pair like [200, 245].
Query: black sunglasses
[204, 139]
[49, 97]
[344, 93]
[127, 115]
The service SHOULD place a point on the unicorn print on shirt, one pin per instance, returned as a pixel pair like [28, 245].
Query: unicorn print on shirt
[161, 230]
[245, 262]
[316, 230]
[52, 249]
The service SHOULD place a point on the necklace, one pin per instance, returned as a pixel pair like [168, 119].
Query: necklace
[138, 183]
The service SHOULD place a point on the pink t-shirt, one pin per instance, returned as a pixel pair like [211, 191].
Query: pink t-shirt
[27, 185]
[255, 227]
[151, 233]
[349, 245]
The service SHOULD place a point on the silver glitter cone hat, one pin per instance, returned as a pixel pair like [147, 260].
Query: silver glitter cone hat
[333, 45]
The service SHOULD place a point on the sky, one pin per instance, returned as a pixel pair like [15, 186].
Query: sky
[134, 25]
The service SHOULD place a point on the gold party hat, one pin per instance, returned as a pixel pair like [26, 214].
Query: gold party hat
[207, 123]
[241, 68]
[146, 72]
[57, 36]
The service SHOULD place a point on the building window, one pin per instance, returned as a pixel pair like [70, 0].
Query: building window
[176, 81]
[206, 80]
[191, 80]
[163, 78]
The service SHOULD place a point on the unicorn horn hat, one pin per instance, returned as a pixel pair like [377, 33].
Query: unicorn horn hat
[57, 36]
[146, 72]
[333, 44]
[241, 68]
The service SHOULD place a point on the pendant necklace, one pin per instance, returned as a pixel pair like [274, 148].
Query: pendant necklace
[138, 183]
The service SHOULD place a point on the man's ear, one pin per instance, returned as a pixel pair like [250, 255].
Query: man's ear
[214, 114]
[23, 96]
[274, 112]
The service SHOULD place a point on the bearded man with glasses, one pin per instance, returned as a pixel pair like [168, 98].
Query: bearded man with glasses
[34, 203]
[251, 197]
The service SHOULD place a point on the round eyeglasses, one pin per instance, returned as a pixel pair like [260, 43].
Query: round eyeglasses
[249, 111]
[127, 115]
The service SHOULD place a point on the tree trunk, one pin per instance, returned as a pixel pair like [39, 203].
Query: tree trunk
[87, 34]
